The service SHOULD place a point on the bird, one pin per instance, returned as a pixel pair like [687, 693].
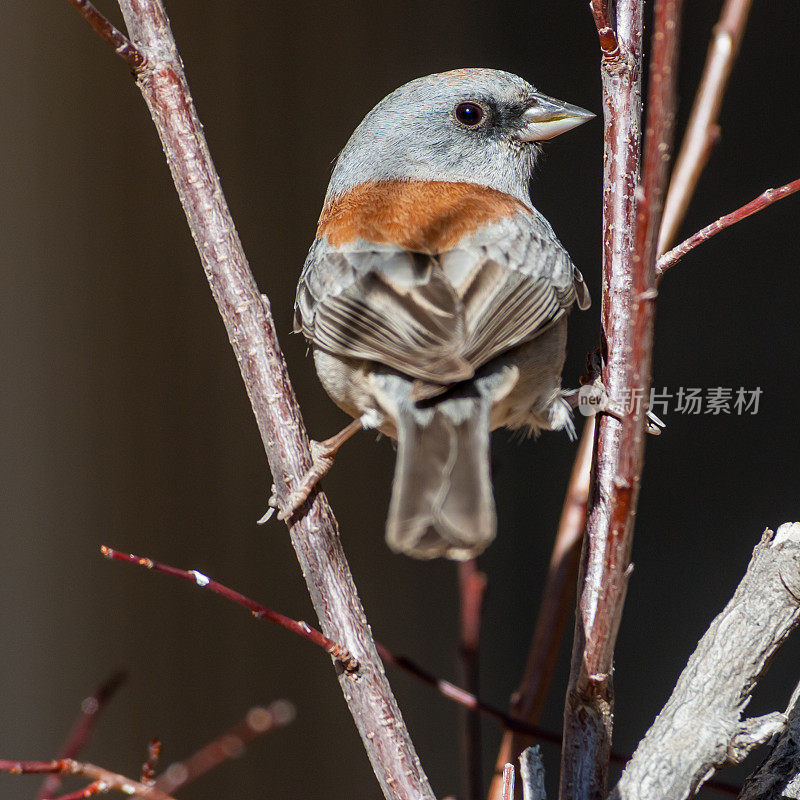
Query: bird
[435, 297]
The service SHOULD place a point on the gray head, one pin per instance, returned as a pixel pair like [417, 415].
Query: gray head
[468, 125]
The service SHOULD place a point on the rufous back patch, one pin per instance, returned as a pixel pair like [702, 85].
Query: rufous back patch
[423, 216]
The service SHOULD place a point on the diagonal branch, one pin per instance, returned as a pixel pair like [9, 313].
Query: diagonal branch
[231, 743]
[631, 216]
[702, 130]
[445, 688]
[251, 331]
[83, 727]
[700, 728]
[123, 47]
[766, 198]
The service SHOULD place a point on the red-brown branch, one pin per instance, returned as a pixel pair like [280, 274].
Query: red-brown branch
[262, 612]
[472, 591]
[123, 47]
[230, 744]
[609, 46]
[631, 217]
[766, 198]
[447, 689]
[251, 331]
[149, 767]
[83, 727]
[558, 596]
[111, 781]
[702, 130]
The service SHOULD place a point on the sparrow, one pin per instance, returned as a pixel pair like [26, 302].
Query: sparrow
[435, 296]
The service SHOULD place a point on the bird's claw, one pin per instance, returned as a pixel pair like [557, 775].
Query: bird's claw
[322, 456]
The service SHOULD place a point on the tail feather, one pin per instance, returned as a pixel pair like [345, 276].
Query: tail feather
[442, 501]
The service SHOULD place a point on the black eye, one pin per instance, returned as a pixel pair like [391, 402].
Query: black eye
[469, 114]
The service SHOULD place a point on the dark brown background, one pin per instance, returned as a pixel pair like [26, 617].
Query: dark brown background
[125, 422]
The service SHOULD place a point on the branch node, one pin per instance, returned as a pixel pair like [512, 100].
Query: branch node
[754, 732]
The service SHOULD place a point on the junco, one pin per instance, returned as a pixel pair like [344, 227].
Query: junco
[435, 296]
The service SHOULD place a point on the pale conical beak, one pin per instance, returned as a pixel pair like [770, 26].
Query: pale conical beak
[548, 117]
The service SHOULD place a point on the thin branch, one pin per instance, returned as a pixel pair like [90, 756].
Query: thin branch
[471, 590]
[83, 727]
[95, 788]
[230, 744]
[609, 45]
[251, 331]
[700, 728]
[123, 47]
[702, 130]
[262, 612]
[149, 767]
[558, 596]
[631, 217]
[447, 689]
[508, 782]
[111, 781]
[766, 198]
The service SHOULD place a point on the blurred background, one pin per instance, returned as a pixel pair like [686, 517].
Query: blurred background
[124, 420]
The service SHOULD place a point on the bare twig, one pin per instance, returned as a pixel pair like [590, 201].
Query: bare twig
[229, 745]
[251, 331]
[103, 27]
[83, 727]
[609, 46]
[631, 216]
[700, 728]
[508, 782]
[149, 767]
[702, 131]
[110, 781]
[472, 590]
[262, 612]
[445, 688]
[558, 596]
[766, 198]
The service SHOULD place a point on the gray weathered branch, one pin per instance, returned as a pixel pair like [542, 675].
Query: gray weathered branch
[701, 729]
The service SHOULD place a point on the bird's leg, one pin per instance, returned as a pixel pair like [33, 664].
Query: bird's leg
[593, 396]
[322, 457]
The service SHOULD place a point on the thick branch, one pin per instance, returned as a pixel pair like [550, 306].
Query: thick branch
[766, 198]
[252, 335]
[702, 130]
[631, 216]
[700, 728]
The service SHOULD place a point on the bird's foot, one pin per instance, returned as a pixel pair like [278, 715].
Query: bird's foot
[592, 398]
[322, 458]
[323, 455]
